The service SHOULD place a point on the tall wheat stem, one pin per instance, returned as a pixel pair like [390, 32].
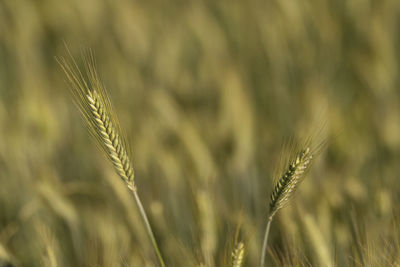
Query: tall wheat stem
[148, 227]
[264, 246]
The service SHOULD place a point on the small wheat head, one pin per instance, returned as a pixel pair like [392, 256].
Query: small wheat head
[289, 181]
[238, 255]
[295, 164]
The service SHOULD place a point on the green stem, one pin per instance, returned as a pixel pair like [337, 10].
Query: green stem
[264, 246]
[148, 227]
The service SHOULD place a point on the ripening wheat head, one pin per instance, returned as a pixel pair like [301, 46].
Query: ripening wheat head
[94, 104]
[299, 162]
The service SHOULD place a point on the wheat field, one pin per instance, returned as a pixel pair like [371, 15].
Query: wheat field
[213, 99]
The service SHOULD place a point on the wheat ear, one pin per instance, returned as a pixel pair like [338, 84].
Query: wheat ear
[115, 151]
[238, 255]
[93, 102]
[286, 186]
[289, 181]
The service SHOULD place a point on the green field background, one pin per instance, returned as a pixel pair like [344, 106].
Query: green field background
[207, 92]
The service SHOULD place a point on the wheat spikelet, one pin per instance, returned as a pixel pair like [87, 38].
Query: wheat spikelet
[238, 255]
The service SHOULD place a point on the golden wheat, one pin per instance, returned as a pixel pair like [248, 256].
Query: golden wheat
[95, 106]
[111, 140]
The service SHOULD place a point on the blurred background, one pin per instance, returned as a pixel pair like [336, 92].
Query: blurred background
[207, 91]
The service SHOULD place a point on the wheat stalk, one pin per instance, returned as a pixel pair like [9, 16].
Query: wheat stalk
[300, 161]
[95, 106]
[238, 255]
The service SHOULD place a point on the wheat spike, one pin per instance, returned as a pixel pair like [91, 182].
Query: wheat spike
[238, 255]
[95, 106]
[300, 161]
[111, 140]
[289, 181]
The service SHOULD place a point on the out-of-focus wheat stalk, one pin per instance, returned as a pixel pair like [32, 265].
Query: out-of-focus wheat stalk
[300, 161]
[95, 106]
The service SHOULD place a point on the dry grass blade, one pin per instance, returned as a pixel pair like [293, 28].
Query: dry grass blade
[238, 255]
